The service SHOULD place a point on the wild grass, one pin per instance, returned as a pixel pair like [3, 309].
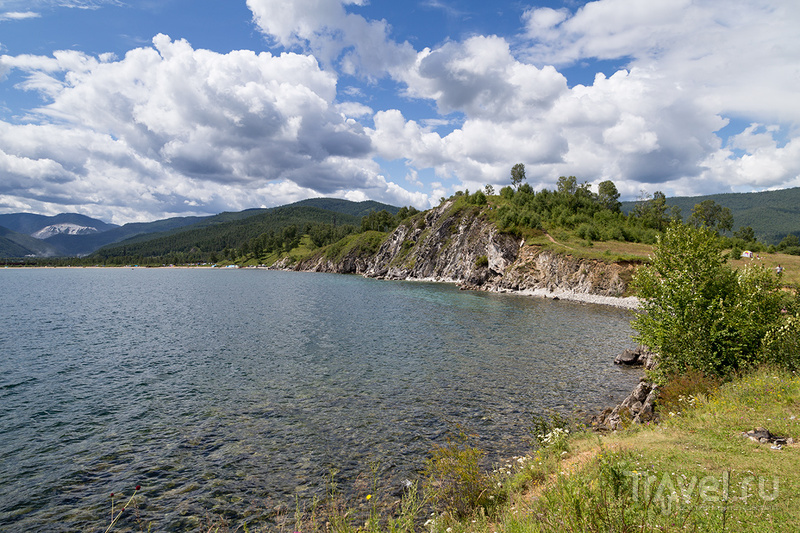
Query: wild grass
[790, 264]
[694, 471]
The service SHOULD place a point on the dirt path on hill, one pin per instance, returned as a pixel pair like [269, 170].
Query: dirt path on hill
[556, 242]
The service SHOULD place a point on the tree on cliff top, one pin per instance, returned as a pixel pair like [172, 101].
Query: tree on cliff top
[710, 214]
[608, 196]
[517, 175]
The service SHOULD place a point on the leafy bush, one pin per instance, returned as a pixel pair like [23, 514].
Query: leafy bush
[482, 262]
[697, 312]
[781, 346]
[792, 250]
[588, 232]
[479, 198]
[456, 481]
[680, 388]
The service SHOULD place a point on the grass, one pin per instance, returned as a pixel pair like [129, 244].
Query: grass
[608, 251]
[790, 264]
[366, 243]
[694, 471]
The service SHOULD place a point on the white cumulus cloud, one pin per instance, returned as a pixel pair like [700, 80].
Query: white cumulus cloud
[171, 127]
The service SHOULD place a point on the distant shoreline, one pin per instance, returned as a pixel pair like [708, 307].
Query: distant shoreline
[630, 302]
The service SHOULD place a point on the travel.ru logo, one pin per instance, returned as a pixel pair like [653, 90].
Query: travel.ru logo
[671, 490]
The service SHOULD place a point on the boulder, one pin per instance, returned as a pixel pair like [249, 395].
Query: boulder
[638, 407]
[640, 356]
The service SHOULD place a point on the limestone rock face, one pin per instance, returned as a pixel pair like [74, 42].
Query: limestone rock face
[541, 269]
[461, 246]
[448, 246]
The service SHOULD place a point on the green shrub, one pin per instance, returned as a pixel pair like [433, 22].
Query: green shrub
[792, 250]
[680, 389]
[781, 346]
[482, 262]
[697, 312]
[457, 483]
[479, 198]
[507, 193]
[588, 232]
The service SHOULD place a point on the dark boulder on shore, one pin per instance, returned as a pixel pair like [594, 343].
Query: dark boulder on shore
[637, 408]
[640, 356]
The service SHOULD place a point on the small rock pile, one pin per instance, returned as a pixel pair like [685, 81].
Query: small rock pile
[763, 436]
[639, 356]
[638, 407]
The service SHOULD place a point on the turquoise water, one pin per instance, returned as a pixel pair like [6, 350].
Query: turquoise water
[236, 392]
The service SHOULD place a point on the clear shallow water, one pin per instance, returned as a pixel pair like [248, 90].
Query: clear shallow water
[235, 391]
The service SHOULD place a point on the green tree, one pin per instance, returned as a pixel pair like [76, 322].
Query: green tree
[697, 312]
[379, 221]
[488, 189]
[654, 212]
[404, 213]
[790, 241]
[517, 175]
[608, 196]
[567, 185]
[710, 214]
[746, 234]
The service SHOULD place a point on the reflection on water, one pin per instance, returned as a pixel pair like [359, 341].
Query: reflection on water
[233, 392]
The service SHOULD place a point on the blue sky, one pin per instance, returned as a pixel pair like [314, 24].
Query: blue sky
[137, 110]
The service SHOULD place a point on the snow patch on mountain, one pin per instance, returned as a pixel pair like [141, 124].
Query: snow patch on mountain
[59, 229]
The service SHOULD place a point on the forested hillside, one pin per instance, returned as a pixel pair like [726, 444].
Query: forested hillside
[215, 238]
[356, 209]
[14, 244]
[771, 214]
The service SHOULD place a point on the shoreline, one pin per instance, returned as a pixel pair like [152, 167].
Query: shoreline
[629, 302]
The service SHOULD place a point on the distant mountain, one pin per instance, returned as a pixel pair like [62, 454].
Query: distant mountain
[73, 223]
[205, 237]
[71, 234]
[771, 214]
[17, 245]
[63, 229]
[85, 244]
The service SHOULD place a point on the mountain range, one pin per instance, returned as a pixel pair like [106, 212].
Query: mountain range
[771, 214]
[70, 234]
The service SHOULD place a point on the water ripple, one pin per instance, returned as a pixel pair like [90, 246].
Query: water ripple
[234, 392]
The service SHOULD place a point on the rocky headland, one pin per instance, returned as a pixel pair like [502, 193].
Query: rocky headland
[459, 245]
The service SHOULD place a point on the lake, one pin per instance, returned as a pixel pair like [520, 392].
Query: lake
[236, 393]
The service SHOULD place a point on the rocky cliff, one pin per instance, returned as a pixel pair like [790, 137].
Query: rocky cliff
[457, 243]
